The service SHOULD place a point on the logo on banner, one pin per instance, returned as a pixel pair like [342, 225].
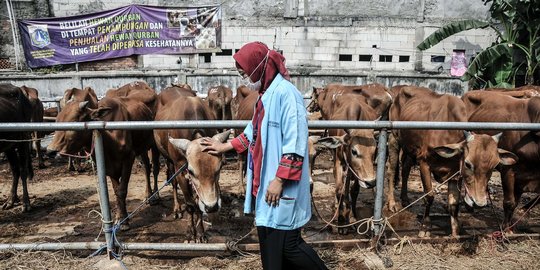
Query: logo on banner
[39, 35]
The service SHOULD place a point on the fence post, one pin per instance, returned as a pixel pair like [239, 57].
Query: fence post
[103, 192]
[381, 164]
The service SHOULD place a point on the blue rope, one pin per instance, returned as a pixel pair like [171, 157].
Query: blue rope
[114, 229]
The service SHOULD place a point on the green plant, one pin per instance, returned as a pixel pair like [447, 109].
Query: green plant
[514, 57]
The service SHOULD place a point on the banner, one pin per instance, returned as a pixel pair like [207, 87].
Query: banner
[133, 29]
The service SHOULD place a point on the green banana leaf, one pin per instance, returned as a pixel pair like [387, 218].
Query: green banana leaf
[486, 58]
[449, 30]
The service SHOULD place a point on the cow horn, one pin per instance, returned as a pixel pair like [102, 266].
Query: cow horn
[223, 136]
[82, 105]
[497, 137]
[468, 136]
[181, 144]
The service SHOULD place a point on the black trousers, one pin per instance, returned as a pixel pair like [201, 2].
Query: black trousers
[285, 249]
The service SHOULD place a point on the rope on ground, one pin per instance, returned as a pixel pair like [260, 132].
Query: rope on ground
[116, 227]
[233, 244]
[499, 237]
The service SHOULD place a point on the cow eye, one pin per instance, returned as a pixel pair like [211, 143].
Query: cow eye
[354, 152]
[468, 165]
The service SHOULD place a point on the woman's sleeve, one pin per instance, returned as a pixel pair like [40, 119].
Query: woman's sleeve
[294, 132]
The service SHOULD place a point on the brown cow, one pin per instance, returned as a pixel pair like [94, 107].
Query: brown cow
[219, 99]
[445, 153]
[78, 95]
[142, 92]
[524, 176]
[37, 116]
[200, 185]
[241, 92]
[375, 95]
[15, 107]
[120, 146]
[354, 155]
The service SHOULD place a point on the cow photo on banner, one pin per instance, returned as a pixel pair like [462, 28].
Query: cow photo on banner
[124, 31]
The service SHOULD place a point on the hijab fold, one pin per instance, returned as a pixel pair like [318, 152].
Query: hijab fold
[252, 54]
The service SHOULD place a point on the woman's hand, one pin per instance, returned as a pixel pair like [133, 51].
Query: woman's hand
[273, 193]
[214, 147]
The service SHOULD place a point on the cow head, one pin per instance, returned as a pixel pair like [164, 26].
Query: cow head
[358, 149]
[72, 141]
[203, 171]
[479, 155]
[316, 99]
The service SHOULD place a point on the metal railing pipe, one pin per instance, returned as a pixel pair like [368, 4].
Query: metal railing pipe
[103, 192]
[381, 164]
[130, 125]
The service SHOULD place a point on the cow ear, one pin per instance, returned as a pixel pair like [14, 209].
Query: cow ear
[449, 150]
[100, 112]
[331, 142]
[314, 139]
[222, 137]
[507, 158]
[181, 144]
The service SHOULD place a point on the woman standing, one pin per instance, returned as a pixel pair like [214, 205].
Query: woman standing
[277, 176]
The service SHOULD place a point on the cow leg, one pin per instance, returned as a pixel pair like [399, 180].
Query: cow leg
[428, 200]
[155, 169]
[509, 201]
[242, 167]
[149, 191]
[25, 158]
[391, 172]
[71, 164]
[355, 190]
[199, 236]
[39, 153]
[177, 210]
[13, 199]
[342, 195]
[122, 192]
[453, 204]
[407, 164]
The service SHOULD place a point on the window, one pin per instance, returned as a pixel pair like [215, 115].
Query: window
[437, 58]
[224, 52]
[366, 57]
[404, 58]
[345, 57]
[206, 56]
[385, 58]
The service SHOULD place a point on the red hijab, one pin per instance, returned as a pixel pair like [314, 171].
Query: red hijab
[252, 54]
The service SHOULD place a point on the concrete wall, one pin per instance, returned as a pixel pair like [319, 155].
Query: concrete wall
[54, 85]
[313, 35]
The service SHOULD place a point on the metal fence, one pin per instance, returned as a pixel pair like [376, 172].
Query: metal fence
[98, 126]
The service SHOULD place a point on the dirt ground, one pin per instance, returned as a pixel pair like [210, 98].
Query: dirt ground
[62, 202]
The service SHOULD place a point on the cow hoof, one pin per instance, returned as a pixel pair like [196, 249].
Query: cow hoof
[424, 234]
[124, 227]
[26, 208]
[343, 231]
[154, 200]
[177, 215]
[392, 207]
[202, 239]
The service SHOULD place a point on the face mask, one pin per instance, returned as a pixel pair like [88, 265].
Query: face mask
[256, 86]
